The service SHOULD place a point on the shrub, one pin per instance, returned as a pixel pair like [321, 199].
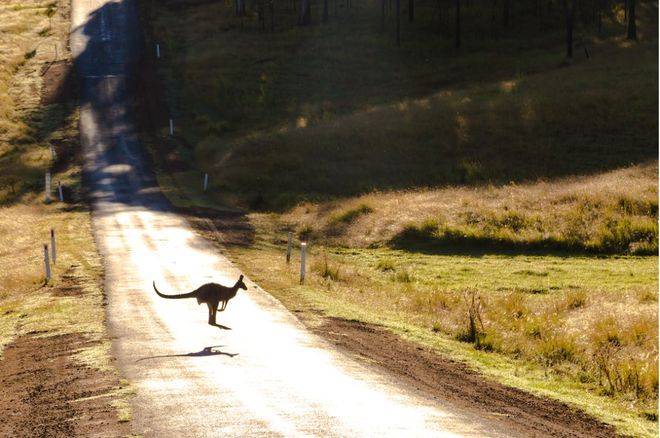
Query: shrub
[575, 299]
[513, 306]
[623, 234]
[403, 277]
[638, 207]
[350, 216]
[385, 265]
[511, 220]
[474, 330]
[556, 349]
[327, 270]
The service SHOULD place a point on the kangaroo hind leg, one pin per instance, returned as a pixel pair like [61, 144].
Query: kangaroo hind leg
[211, 314]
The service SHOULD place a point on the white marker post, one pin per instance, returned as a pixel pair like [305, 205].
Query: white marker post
[53, 154]
[158, 51]
[171, 128]
[47, 188]
[46, 263]
[59, 190]
[205, 185]
[288, 248]
[303, 249]
[53, 250]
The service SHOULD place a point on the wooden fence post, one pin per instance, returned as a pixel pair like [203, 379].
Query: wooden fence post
[288, 248]
[53, 249]
[303, 250]
[46, 263]
[47, 187]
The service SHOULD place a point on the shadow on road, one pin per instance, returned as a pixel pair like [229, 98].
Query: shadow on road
[207, 351]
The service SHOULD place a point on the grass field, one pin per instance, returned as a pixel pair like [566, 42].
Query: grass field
[72, 302]
[580, 329]
[498, 203]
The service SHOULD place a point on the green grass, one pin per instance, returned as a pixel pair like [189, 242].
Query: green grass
[542, 314]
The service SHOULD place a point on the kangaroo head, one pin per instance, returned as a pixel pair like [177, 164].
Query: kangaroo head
[240, 284]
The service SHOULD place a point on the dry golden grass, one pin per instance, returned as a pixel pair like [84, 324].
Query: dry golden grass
[29, 32]
[578, 212]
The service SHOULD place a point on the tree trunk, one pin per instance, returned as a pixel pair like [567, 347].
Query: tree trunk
[411, 10]
[240, 8]
[632, 20]
[506, 13]
[325, 11]
[457, 31]
[305, 13]
[569, 9]
[398, 22]
[382, 15]
[271, 4]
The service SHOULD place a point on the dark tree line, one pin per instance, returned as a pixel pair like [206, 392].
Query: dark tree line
[452, 15]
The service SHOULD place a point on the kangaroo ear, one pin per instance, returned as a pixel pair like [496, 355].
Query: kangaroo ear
[241, 277]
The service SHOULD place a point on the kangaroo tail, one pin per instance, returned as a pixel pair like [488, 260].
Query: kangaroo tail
[192, 294]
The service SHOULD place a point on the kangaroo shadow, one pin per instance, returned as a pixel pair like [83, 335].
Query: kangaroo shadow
[206, 351]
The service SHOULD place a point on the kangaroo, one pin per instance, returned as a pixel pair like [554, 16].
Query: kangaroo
[212, 294]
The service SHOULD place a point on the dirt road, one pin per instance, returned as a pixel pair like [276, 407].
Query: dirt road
[267, 375]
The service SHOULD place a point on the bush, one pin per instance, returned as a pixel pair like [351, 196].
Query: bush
[575, 299]
[385, 265]
[326, 270]
[350, 216]
[403, 277]
[622, 234]
[556, 349]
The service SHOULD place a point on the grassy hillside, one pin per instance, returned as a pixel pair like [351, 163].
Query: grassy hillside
[36, 112]
[338, 109]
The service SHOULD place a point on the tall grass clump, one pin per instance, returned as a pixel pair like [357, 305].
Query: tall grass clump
[326, 269]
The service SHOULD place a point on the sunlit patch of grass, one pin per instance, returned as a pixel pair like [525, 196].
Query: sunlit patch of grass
[545, 343]
[592, 214]
[350, 215]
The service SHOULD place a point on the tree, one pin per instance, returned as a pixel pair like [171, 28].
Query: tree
[325, 11]
[305, 13]
[240, 8]
[632, 21]
[457, 31]
[569, 10]
[411, 10]
[398, 22]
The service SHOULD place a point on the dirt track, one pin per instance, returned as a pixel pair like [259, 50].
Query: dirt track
[268, 375]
